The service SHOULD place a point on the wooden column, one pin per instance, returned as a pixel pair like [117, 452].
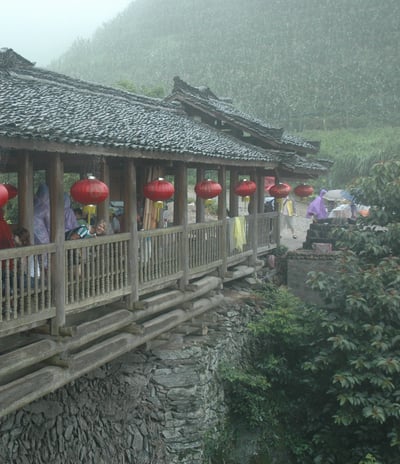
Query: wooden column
[254, 230]
[181, 193]
[260, 192]
[25, 193]
[233, 198]
[200, 206]
[57, 235]
[222, 216]
[130, 217]
[103, 209]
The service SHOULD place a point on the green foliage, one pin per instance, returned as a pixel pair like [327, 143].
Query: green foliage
[378, 235]
[354, 152]
[332, 374]
[322, 383]
[155, 92]
[216, 442]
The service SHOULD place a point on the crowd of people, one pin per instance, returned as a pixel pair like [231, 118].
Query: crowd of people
[317, 210]
[76, 225]
[79, 226]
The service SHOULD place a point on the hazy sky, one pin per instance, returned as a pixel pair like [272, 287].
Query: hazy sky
[41, 30]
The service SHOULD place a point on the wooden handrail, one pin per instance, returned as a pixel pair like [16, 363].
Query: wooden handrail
[97, 272]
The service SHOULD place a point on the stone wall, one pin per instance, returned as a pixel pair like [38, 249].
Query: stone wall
[300, 263]
[153, 405]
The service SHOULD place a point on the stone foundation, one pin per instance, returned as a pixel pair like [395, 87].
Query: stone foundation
[300, 263]
[152, 405]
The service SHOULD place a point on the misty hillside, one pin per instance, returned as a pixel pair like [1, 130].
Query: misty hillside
[301, 63]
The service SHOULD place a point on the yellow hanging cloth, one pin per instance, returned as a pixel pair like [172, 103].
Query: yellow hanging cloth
[239, 233]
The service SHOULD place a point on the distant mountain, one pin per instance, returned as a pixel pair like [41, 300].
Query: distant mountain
[303, 64]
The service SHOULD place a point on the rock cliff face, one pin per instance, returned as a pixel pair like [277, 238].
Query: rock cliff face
[153, 405]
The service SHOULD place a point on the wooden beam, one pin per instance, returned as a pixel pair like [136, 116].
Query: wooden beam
[27, 356]
[53, 148]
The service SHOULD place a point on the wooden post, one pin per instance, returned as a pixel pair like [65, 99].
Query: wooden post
[222, 216]
[260, 192]
[57, 235]
[233, 198]
[181, 190]
[25, 193]
[200, 208]
[130, 217]
[103, 209]
[254, 230]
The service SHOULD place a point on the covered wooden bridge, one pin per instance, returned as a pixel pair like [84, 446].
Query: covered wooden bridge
[124, 289]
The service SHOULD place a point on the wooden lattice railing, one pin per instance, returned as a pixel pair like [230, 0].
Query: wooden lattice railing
[103, 269]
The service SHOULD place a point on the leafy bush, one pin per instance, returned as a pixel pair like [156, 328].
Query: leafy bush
[330, 375]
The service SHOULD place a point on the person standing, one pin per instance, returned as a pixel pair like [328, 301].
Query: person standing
[288, 211]
[317, 209]
[7, 265]
[6, 237]
[70, 220]
[41, 215]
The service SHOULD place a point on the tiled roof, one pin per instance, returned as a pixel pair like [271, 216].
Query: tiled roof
[36, 104]
[293, 163]
[43, 105]
[205, 99]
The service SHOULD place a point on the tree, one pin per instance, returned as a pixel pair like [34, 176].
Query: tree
[155, 92]
[333, 373]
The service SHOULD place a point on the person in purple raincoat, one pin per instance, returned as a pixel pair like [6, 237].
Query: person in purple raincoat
[317, 209]
[41, 215]
[70, 220]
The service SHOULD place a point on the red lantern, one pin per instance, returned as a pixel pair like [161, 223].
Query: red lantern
[158, 190]
[207, 189]
[3, 195]
[280, 190]
[245, 188]
[303, 190]
[12, 191]
[90, 191]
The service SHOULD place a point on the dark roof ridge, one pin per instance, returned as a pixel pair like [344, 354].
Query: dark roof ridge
[203, 91]
[10, 59]
[16, 64]
[207, 101]
[62, 80]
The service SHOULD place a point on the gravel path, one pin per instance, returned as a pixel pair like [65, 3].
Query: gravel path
[301, 225]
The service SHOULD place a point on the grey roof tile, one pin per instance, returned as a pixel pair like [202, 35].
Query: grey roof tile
[42, 105]
[204, 98]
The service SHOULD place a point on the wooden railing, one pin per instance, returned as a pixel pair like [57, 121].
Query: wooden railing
[26, 287]
[160, 257]
[205, 250]
[267, 230]
[97, 271]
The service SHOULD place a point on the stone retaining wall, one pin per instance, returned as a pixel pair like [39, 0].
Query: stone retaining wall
[149, 406]
[300, 263]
